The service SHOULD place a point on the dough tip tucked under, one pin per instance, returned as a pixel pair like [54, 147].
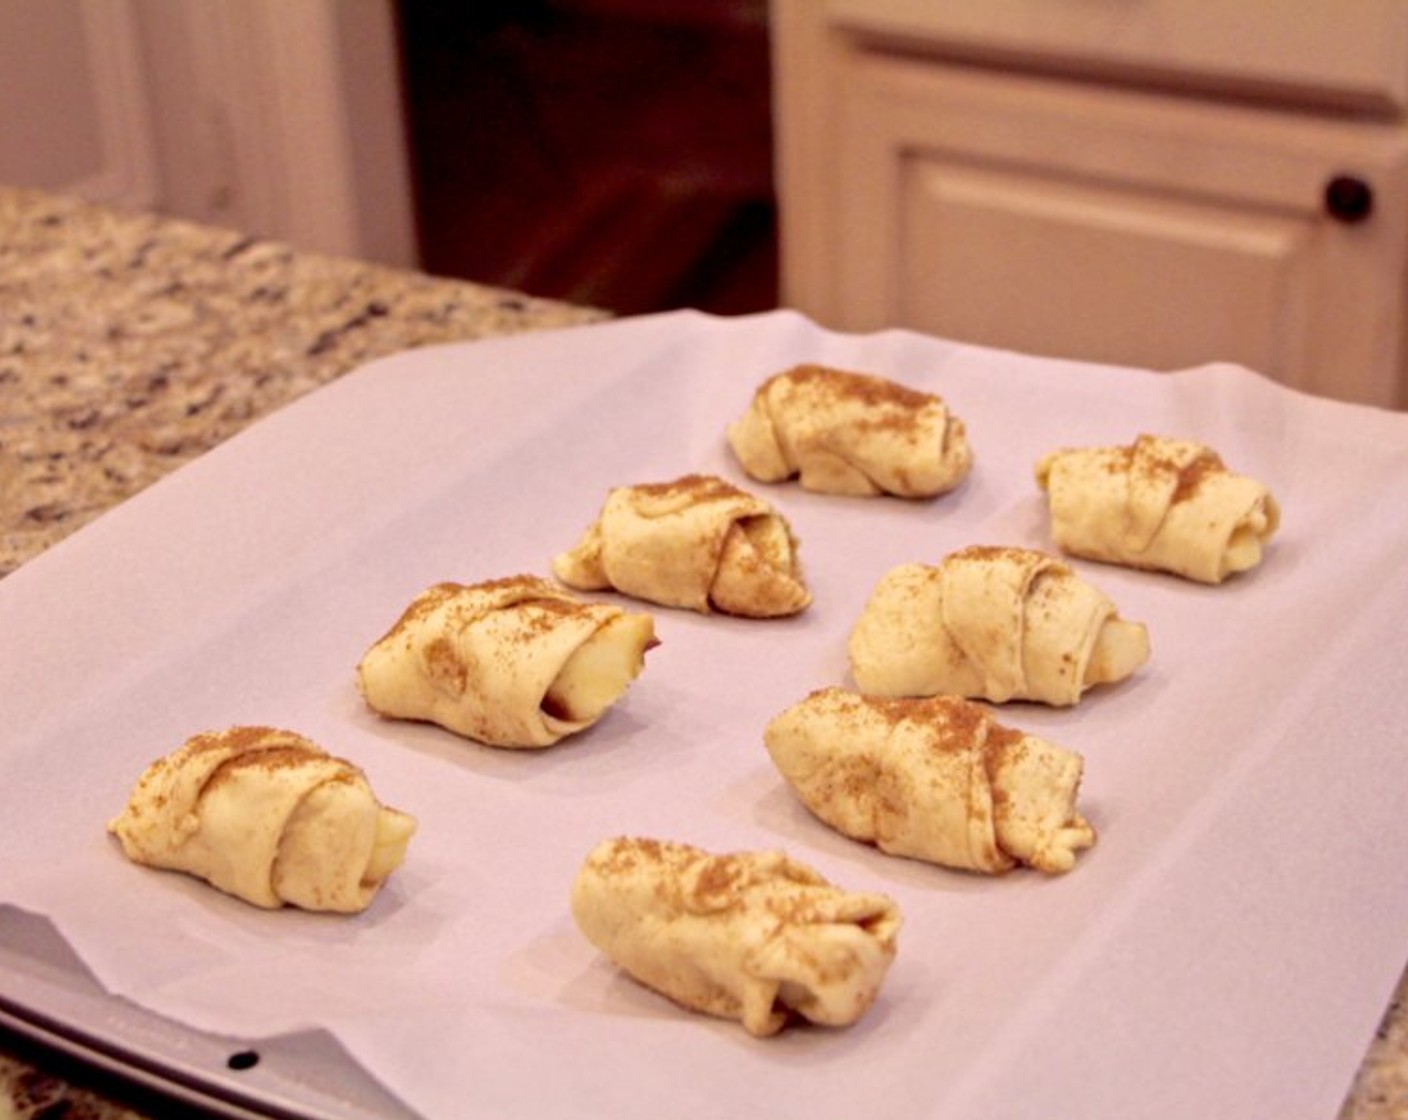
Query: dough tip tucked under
[751, 936]
[268, 816]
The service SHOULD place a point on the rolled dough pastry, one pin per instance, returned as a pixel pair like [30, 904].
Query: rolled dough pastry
[850, 433]
[997, 624]
[267, 816]
[698, 542]
[752, 936]
[1164, 504]
[935, 779]
[515, 662]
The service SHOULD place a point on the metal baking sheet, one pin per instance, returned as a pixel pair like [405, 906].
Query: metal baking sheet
[50, 999]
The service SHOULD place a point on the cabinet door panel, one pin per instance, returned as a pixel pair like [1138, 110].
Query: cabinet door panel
[1105, 224]
[1042, 265]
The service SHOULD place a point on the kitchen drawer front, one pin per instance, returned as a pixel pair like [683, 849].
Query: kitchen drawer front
[1106, 273]
[1126, 228]
[1336, 51]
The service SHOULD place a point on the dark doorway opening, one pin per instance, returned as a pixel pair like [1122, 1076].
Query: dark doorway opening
[614, 153]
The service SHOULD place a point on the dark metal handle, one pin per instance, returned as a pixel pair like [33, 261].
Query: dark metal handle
[1348, 199]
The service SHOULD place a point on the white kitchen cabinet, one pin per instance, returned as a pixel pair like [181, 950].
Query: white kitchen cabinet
[1075, 197]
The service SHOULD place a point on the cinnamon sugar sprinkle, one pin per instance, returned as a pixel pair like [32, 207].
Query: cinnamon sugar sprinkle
[1140, 457]
[886, 405]
[698, 487]
[958, 724]
[863, 388]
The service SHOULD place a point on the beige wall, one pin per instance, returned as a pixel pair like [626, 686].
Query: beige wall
[280, 117]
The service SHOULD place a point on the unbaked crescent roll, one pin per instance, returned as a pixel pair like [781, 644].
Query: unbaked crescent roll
[267, 816]
[698, 542]
[995, 624]
[752, 936]
[515, 662]
[1164, 504]
[850, 433]
[935, 779]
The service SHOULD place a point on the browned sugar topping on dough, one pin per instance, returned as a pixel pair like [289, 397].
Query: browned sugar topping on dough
[255, 747]
[958, 723]
[1002, 743]
[540, 608]
[432, 598]
[1191, 476]
[718, 882]
[242, 738]
[1138, 458]
[992, 553]
[721, 881]
[542, 616]
[421, 606]
[624, 853]
[725, 882]
[269, 761]
[526, 583]
[1050, 566]
[697, 487]
[866, 389]
[261, 745]
[445, 665]
[957, 726]
[889, 406]
[859, 777]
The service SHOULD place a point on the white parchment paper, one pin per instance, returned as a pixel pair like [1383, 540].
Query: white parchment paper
[1226, 949]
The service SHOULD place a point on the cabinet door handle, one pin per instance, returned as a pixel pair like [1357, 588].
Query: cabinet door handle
[1348, 199]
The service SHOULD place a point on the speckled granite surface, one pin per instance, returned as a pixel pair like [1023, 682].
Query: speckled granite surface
[129, 344]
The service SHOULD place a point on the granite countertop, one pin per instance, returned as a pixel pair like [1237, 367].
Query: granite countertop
[130, 344]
